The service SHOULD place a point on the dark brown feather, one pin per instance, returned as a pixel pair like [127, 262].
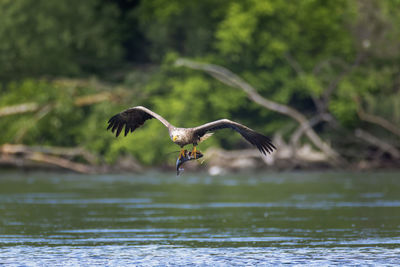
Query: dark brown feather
[262, 142]
[130, 118]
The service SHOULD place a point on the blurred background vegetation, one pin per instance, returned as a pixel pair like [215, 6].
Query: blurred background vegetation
[66, 66]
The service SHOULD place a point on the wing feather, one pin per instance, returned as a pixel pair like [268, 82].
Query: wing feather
[132, 119]
[258, 140]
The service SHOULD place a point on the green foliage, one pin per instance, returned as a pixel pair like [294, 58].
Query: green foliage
[180, 26]
[290, 51]
[64, 125]
[56, 37]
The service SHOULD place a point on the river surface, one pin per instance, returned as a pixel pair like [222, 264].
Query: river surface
[158, 219]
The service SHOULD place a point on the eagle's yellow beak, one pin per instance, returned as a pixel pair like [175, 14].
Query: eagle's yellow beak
[174, 138]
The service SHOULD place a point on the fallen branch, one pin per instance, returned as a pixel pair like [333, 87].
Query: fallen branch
[60, 162]
[33, 107]
[242, 159]
[89, 83]
[384, 146]
[55, 156]
[29, 124]
[42, 111]
[227, 77]
[376, 119]
[18, 109]
[92, 99]
[294, 140]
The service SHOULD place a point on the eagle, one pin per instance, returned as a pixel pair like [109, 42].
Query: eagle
[135, 117]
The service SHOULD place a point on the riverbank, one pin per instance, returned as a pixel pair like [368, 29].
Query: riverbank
[215, 161]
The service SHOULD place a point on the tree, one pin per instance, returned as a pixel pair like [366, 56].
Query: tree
[63, 37]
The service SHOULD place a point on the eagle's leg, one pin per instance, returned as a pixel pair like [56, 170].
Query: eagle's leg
[194, 151]
[182, 153]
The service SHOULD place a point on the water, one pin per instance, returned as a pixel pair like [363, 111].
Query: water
[155, 219]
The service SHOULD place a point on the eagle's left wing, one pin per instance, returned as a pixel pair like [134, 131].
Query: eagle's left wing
[262, 142]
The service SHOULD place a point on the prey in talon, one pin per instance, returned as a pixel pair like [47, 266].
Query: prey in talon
[184, 156]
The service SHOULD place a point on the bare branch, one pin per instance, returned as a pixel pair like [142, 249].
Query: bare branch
[295, 65]
[299, 70]
[322, 102]
[79, 101]
[384, 146]
[333, 85]
[224, 74]
[294, 140]
[92, 99]
[328, 62]
[18, 109]
[51, 156]
[60, 162]
[376, 119]
[31, 123]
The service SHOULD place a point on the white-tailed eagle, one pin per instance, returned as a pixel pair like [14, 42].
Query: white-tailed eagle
[135, 117]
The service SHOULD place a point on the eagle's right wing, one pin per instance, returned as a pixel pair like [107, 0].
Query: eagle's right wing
[133, 118]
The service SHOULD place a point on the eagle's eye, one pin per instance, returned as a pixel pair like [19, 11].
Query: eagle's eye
[174, 138]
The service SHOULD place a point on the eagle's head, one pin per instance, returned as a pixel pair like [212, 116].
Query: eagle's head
[178, 136]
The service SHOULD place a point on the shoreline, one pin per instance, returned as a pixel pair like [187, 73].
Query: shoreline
[216, 161]
[195, 167]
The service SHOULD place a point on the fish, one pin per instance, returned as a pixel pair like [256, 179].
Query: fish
[188, 156]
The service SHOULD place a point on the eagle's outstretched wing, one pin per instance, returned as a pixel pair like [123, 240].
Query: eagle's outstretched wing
[133, 118]
[262, 142]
